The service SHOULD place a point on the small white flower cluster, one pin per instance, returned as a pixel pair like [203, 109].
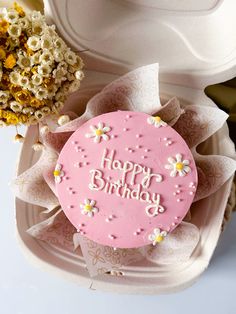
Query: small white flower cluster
[45, 70]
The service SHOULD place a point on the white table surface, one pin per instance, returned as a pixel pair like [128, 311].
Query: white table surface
[24, 289]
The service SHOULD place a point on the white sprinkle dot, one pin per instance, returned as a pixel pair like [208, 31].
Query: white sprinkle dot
[127, 149]
[177, 186]
[131, 151]
[147, 150]
[174, 193]
[128, 116]
[111, 236]
[178, 191]
[74, 142]
[82, 232]
[191, 184]
[178, 200]
[70, 206]
[84, 156]
[167, 144]
[191, 192]
[125, 129]
[176, 217]
[138, 135]
[138, 146]
[143, 157]
[107, 220]
[165, 138]
[173, 223]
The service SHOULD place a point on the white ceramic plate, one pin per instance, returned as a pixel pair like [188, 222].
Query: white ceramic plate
[145, 277]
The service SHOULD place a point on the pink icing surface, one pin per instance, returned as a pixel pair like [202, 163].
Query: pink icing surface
[122, 221]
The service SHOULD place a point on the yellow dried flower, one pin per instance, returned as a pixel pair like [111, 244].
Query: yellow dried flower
[36, 103]
[14, 89]
[2, 53]
[19, 9]
[29, 51]
[23, 97]
[3, 27]
[47, 82]
[34, 70]
[12, 118]
[10, 62]
[5, 82]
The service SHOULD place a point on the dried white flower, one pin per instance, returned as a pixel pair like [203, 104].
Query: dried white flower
[35, 57]
[59, 44]
[70, 57]
[44, 70]
[4, 96]
[34, 43]
[58, 55]
[39, 115]
[74, 86]
[28, 110]
[46, 110]
[46, 57]
[24, 62]
[37, 28]
[37, 79]
[36, 16]
[79, 75]
[11, 16]
[15, 77]
[41, 93]
[15, 106]
[14, 30]
[24, 82]
[24, 22]
[46, 42]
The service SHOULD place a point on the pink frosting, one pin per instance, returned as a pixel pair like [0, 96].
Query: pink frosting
[117, 190]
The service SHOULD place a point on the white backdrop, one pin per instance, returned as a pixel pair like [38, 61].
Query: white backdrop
[25, 289]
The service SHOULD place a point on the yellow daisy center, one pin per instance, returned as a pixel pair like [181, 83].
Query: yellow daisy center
[179, 166]
[88, 207]
[99, 132]
[157, 119]
[56, 173]
[159, 238]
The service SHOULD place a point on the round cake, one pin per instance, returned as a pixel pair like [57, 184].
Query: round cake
[125, 179]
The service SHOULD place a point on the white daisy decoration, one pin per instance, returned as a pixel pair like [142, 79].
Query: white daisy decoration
[178, 166]
[99, 132]
[156, 121]
[88, 208]
[58, 173]
[157, 236]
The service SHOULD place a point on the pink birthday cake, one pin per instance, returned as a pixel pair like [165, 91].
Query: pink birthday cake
[125, 179]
